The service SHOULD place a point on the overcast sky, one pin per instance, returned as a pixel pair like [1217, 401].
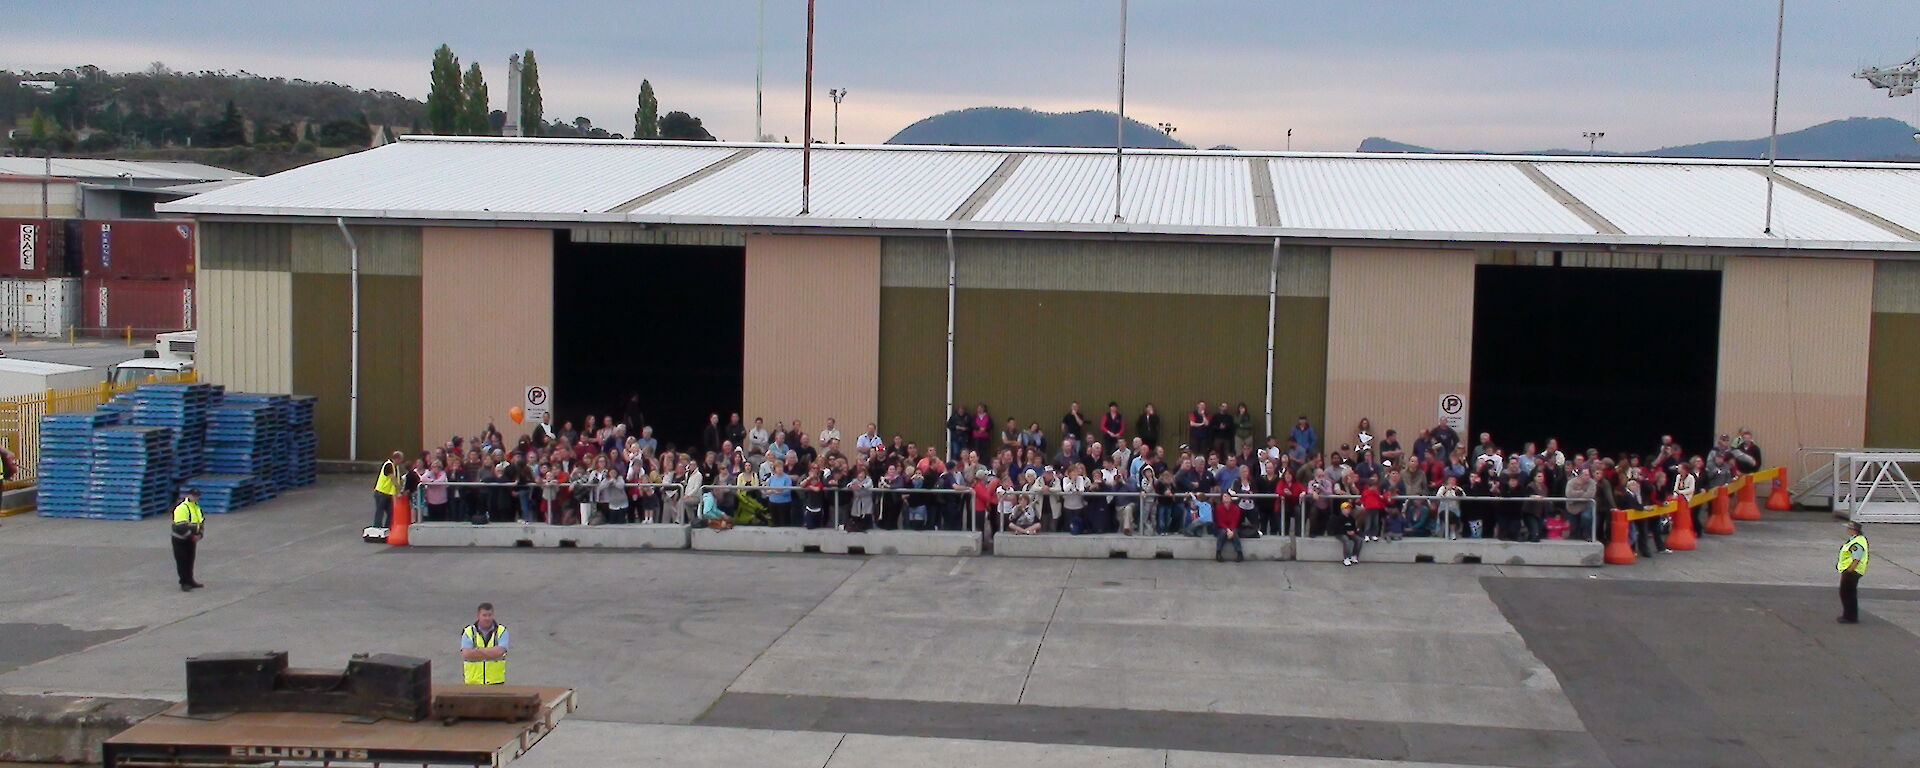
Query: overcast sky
[1498, 74]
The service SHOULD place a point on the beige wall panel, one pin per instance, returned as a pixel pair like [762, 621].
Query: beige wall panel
[1794, 340]
[21, 200]
[812, 331]
[1381, 363]
[474, 368]
[245, 320]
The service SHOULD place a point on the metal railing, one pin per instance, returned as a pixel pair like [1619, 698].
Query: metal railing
[1447, 516]
[839, 515]
[20, 416]
[517, 489]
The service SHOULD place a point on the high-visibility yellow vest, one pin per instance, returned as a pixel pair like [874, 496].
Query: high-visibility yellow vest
[1855, 547]
[188, 512]
[491, 672]
[384, 483]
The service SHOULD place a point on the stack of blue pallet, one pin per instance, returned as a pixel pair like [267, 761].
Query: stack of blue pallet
[273, 441]
[241, 441]
[301, 442]
[132, 475]
[183, 409]
[220, 494]
[66, 461]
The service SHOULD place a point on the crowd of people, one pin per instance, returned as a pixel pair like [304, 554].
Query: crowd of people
[1102, 474]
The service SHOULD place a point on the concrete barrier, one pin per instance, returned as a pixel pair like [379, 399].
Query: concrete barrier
[1586, 554]
[66, 729]
[637, 536]
[836, 542]
[1106, 545]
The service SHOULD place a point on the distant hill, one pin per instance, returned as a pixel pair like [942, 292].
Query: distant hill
[1020, 127]
[1855, 138]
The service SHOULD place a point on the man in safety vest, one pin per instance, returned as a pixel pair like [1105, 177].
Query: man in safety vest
[384, 487]
[1853, 566]
[188, 526]
[483, 649]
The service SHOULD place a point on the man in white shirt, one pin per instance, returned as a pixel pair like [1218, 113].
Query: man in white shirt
[867, 440]
[828, 435]
[757, 437]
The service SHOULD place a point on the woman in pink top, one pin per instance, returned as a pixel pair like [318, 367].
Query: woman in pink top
[436, 493]
[982, 428]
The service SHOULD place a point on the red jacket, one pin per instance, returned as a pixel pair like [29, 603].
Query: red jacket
[1370, 498]
[1226, 516]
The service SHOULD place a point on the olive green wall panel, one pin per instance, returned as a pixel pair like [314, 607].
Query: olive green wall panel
[913, 364]
[389, 361]
[1893, 381]
[1027, 354]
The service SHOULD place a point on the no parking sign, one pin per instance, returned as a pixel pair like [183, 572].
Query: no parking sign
[1453, 412]
[537, 403]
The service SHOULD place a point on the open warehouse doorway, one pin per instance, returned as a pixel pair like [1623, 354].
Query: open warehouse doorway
[663, 322]
[1598, 357]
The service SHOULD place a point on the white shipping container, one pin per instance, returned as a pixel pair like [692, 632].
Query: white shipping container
[40, 307]
[27, 377]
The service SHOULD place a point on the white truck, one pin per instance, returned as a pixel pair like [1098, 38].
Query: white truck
[171, 353]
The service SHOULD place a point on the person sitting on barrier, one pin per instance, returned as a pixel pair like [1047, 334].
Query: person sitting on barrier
[1534, 511]
[1373, 509]
[1348, 531]
[710, 514]
[1226, 525]
[1025, 518]
[1199, 516]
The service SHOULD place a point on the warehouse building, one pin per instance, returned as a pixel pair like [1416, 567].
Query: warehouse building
[1602, 300]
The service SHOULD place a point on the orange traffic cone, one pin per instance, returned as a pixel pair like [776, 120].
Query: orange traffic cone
[1778, 500]
[1682, 538]
[402, 515]
[1744, 507]
[1719, 522]
[1618, 551]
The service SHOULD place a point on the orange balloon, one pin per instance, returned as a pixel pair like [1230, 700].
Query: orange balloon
[517, 413]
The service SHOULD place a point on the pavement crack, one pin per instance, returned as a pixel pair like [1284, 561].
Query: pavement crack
[834, 751]
[1037, 647]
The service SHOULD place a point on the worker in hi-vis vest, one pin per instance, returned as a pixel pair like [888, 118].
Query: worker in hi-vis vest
[384, 487]
[1853, 567]
[483, 649]
[189, 524]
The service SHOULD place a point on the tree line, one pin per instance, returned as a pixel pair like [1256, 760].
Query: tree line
[89, 110]
[457, 105]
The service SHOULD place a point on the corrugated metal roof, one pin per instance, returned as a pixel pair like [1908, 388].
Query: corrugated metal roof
[1177, 190]
[1893, 195]
[1416, 196]
[491, 180]
[863, 184]
[1326, 196]
[142, 170]
[1700, 201]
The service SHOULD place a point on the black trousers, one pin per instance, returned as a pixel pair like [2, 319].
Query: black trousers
[1850, 596]
[183, 559]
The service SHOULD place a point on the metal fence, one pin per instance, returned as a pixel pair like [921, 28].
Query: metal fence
[20, 416]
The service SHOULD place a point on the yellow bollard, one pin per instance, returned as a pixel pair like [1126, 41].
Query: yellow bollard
[129, 335]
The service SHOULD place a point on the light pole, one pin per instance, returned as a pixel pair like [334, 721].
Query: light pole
[1593, 137]
[1289, 139]
[1773, 134]
[836, 94]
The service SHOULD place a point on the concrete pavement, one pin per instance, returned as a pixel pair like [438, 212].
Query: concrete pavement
[686, 657]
